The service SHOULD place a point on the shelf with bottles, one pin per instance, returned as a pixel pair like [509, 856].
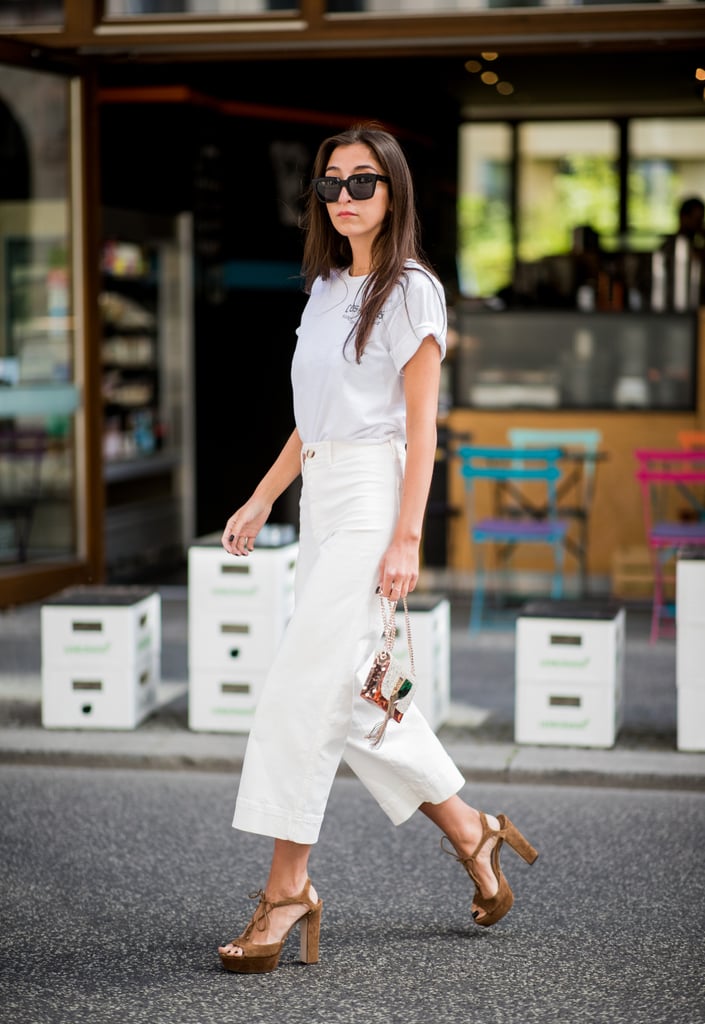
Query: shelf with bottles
[123, 392]
[132, 424]
[123, 313]
[132, 433]
[130, 351]
[131, 386]
[130, 293]
[129, 263]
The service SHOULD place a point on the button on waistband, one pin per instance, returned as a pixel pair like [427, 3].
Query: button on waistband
[329, 452]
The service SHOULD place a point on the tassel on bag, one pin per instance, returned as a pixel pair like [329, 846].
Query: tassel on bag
[388, 684]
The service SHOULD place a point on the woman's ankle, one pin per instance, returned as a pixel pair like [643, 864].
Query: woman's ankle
[468, 833]
[284, 888]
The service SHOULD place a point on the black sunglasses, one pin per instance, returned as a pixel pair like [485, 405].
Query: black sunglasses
[359, 186]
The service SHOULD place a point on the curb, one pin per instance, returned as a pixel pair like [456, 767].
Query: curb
[504, 763]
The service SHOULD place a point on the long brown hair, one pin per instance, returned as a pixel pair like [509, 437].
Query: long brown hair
[326, 251]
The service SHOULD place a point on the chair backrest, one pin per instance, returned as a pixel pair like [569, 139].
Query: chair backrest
[539, 437]
[670, 464]
[510, 467]
[669, 478]
[481, 457]
[587, 441]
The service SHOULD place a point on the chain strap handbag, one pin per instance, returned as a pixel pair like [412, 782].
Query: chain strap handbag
[389, 684]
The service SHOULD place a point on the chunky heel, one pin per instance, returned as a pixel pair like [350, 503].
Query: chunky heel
[310, 929]
[494, 907]
[261, 957]
[516, 840]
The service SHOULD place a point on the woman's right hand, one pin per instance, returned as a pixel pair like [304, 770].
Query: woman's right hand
[243, 526]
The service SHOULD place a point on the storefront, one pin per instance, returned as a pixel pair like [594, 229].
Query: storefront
[152, 161]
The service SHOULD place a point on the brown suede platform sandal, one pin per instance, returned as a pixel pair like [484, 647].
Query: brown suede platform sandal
[495, 907]
[259, 959]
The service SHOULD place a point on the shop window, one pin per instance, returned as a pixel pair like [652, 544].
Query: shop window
[567, 186]
[484, 208]
[666, 166]
[39, 396]
[568, 178]
[562, 245]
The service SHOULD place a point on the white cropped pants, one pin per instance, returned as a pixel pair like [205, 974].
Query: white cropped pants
[310, 714]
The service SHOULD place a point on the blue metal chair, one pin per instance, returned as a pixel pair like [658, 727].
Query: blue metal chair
[575, 492]
[511, 473]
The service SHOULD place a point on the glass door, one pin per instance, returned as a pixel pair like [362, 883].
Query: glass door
[43, 472]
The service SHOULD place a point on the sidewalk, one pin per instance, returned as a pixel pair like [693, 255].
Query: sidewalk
[478, 733]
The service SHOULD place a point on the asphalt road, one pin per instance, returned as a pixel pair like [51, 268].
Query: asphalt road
[118, 885]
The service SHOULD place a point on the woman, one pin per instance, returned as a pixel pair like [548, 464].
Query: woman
[365, 378]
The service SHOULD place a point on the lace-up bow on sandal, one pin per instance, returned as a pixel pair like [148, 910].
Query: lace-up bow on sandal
[494, 908]
[259, 958]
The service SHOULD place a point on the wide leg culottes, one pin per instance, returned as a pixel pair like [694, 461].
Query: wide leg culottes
[310, 714]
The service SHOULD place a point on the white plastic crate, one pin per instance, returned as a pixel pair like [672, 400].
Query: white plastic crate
[100, 695]
[238, 608]
[243, 638]
[101, 657]
[223, 701]
[690, 718]
[690, 623]
[263, 579]
[690, 654]
[95, 624]
[569, 673]
[429, 620]
[567, 715]
[574, 649]
[690, 591]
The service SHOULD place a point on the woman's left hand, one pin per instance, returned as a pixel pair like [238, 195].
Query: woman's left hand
[399, 570]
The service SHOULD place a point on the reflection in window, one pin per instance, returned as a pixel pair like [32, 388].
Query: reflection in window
[568, 179]
[484, 212]
[16, 13]
[205, 8]
[38, 395]
[666, 165]
[463, 6]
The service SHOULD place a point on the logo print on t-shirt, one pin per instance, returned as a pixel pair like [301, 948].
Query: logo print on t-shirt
[352, 311]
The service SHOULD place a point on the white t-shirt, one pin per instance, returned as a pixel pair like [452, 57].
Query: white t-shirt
[338, 399]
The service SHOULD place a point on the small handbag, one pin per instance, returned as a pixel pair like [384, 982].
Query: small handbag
[389, 684]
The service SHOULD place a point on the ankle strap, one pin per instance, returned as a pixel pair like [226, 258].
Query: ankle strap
[303, 897]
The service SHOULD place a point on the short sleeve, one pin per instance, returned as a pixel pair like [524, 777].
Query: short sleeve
[417, 309]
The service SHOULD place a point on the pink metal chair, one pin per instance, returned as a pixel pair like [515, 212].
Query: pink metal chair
[674, 515]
